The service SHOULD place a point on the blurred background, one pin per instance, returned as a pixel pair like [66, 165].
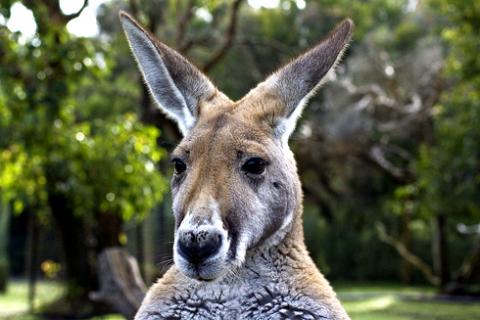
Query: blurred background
[388, 151]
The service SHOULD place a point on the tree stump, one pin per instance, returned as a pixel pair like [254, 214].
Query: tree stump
[121, 285]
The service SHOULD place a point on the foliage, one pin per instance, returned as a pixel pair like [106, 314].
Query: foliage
[73, 153]
[449, 167]
[58, 135]
[445, 183]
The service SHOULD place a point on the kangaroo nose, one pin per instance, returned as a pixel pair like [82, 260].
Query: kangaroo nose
[197, 247]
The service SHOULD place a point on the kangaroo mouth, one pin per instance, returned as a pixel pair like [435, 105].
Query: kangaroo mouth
[206, 271]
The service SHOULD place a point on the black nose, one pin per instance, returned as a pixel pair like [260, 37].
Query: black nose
[197, 247]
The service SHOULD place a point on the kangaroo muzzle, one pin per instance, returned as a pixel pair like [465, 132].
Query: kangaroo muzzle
[201, 244]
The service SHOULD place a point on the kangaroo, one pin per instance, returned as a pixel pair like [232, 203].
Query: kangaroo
[239, 249]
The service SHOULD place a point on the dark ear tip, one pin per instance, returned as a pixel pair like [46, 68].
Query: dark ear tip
[343, 31]
[122, 14]
[125, 17]
[347, 25]
[349, 22]
[128, 21]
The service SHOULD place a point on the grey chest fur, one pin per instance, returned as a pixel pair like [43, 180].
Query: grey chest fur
[252, 301]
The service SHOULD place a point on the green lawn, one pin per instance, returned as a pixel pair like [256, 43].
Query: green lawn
[363, 302]
[14, 304]
[394, 302]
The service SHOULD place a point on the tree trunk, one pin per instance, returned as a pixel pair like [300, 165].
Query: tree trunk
[470, 270]
[4, 227]
[80, 243]
[140, 246]
[121, 285]
[109, 227]
[32, 258]
[78, 261]
[406, 268]
[465, 279]
[440, 250]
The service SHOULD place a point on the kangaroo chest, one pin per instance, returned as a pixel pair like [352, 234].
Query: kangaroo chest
[251, 300]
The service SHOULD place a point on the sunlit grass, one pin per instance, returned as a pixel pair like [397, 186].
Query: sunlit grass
[374, 288]
[397, 309]
[15, 301]
[394, 302]
[380, 303]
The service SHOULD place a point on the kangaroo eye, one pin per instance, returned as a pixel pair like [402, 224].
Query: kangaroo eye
[254, 166]
[179, 166]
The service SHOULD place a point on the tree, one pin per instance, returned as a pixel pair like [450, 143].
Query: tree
[448, 167]
[444, 189]
[61, 159]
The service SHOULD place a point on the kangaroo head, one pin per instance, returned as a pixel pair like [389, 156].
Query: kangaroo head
[235, 185]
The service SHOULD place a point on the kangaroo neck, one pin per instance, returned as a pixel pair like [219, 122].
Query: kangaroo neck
[280, 255]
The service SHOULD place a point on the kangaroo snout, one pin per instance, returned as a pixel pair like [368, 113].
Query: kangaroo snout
[202, 241]
[197, 245]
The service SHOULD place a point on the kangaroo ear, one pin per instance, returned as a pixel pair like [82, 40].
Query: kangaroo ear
[285, 93]
[177, 86]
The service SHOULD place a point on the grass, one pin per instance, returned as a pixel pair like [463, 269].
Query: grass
[14, 303]
[363, 302]
[396, 302]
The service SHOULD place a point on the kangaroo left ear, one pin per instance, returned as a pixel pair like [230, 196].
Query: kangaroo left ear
[284, 94]
[181, 90]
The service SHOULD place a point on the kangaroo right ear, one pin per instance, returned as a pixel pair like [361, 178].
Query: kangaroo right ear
[177, 86]
[290, 88]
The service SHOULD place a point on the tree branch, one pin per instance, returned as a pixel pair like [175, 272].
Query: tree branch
[183, 23]
[469, 265]
[202, 40]
[406, 254]
[55, 14]
[186, 46]
[378, 157]
[79, 12]
[228, 40]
